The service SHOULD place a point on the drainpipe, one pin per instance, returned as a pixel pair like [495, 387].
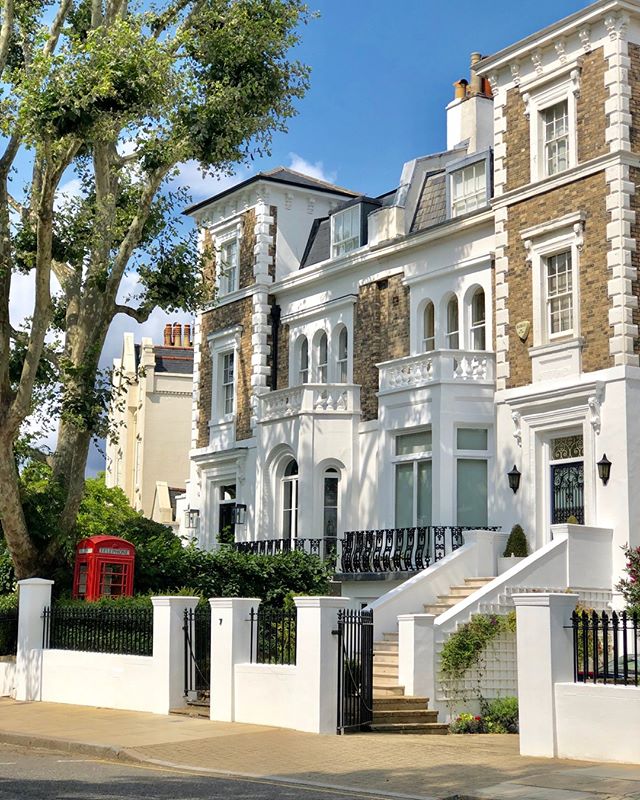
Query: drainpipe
[275, 330]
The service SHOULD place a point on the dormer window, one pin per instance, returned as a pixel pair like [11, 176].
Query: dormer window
[345, 230]
[468, 188]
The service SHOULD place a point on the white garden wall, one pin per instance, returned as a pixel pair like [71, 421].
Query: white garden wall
[7, 676]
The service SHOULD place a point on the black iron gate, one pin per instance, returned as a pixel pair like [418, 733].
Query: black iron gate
[355, 670]
[197, 650]
[567, 492]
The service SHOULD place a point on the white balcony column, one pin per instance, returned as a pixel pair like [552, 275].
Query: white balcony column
[545, 657]
[34, 595]
[168, 650]
[230, 645]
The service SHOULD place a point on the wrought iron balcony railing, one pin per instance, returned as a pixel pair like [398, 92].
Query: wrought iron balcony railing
[383, 550]
[464, 366]
[319, 398]
[400, 549]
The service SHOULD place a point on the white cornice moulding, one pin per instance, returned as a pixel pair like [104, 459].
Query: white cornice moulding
[553, 225]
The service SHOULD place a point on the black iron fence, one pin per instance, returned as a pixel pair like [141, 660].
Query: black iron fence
[605, 648]
[273, 636]
[97, 629]
[323, 548]
[8, 632]
[355, 670]
[197, 649]
[400, 549]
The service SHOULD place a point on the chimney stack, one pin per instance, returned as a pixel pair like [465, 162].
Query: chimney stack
[167, 335]
[470, 113]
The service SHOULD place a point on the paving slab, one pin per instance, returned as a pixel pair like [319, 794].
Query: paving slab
[487, 767]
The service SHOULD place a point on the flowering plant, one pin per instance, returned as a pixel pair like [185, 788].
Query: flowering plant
[467, 723]
[630, 586]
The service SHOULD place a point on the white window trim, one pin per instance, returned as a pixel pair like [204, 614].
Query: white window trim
[546, 240]
[220, 344]
[536, 103]
[221, 238]
[335, 216]
[462, 163]
[414, 459]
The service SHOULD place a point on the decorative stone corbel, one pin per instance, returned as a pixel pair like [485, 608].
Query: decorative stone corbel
[526, 99]
[575, 82]
[516, 416]
[311, 205]
[578, 232]
[594, 413]
[536, 58]
[585, 38]
[561, 50]
[528, 248]
[493, 82]
[515, 72]
[616, 26]
[288, 200]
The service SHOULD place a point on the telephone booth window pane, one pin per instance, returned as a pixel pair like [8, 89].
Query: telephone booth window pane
[113, 580]
[82, 579]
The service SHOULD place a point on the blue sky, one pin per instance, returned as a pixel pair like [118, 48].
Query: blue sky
[382, 74]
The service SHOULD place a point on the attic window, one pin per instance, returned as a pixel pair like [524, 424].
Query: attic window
[468, 188]
[345, 231]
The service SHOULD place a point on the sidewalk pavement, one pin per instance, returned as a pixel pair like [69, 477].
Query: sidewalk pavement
[385, 765]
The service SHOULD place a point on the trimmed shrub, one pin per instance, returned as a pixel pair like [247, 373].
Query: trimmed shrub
[516, 543]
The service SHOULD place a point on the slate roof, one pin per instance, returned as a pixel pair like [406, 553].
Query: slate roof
[432, 205]
[174, 359]
[281, 175]
[319, 244]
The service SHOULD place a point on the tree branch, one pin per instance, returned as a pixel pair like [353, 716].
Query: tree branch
[141, 314]
[56, 27]
[5, 34]
[6, 161]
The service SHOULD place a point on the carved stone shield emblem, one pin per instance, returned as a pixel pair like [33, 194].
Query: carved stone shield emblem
[522, 329]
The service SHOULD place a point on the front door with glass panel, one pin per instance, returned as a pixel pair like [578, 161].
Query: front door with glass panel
[227, 504]
[290, 501]
[567, 479]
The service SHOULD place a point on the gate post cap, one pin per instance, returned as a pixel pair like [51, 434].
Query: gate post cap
[321, 602]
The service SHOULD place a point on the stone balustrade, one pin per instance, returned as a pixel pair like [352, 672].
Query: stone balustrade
[310, 398]
[437, 366]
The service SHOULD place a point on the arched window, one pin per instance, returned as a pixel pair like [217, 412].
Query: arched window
[290, 500]
[478, 338]
[429, 331]
[321, 351]
[343, 354]
[453, 326]
[303, 364]
[330, 503]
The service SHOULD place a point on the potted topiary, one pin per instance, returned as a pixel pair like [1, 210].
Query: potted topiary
[515, 551]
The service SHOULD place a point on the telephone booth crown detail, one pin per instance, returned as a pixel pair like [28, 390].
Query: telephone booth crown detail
[104, 568]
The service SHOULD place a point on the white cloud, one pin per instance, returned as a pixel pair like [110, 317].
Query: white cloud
[190, 177]
[316, 170]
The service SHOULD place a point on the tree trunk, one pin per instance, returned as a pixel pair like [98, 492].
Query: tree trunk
[23, 553]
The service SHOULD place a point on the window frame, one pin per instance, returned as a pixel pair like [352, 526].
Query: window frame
[464, 163]
[321, 367]
[342, 355]
[432, 338]
[303, 349]
[451, 333]
[465, 454]
[223, 343]
[228, 236]
[417, 458]
[548, 298]
[475, 327]
[224, 384]
[294, 509]
[537, 102]
[337, 247]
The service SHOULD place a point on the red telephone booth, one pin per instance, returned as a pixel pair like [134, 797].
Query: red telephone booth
[104, 568]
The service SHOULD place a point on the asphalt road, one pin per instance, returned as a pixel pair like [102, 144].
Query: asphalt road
[29, 774]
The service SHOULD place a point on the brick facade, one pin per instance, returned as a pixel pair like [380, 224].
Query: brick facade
[246, 277]
[381, 333]
[590, 111]
[217, 319]
[591, 122]
[588, 195]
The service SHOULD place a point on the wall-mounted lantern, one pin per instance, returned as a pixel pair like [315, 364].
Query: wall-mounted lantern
[604, 469]
[514, 479]
[239, 514]
[191, 518]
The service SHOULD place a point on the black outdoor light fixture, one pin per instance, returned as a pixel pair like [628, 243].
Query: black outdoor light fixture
[514, 479]
[604, 469]
[239, 514]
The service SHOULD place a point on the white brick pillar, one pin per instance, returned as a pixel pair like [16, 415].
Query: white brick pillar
[34, 596]
[230, 645]
[417, 655]
[168, 650]
[317, 659]
[545, 657]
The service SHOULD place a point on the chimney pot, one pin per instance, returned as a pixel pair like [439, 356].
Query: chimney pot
[177, 334]
[167, 335]
[476, 84]
[187, 335]
[460, 89]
